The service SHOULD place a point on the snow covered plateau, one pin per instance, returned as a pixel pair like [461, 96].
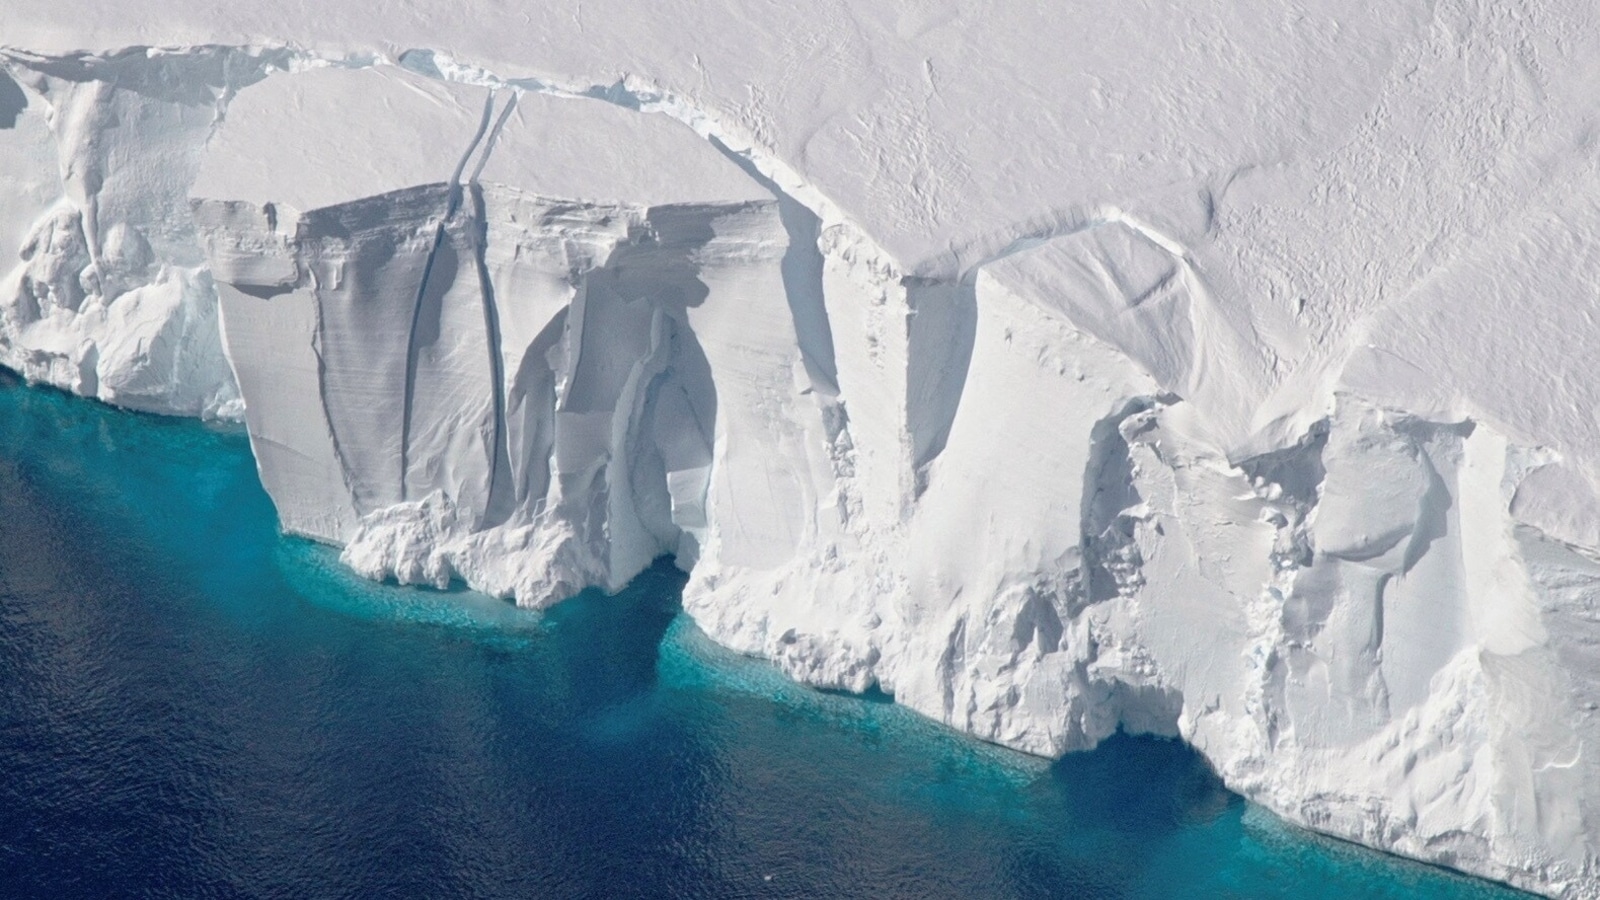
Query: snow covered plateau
[1201, 369]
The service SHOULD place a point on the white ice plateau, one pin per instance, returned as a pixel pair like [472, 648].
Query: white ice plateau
[1199, 369]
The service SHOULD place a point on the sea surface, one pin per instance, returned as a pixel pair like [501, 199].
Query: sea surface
[194, 706]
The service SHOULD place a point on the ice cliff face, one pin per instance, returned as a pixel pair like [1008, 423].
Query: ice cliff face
[1060, 482]
[106, 291]
[507, 345]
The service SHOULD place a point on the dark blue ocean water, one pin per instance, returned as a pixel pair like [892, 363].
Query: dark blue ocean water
[193, 706]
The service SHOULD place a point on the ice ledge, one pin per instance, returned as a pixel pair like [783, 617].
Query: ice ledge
[1038, 501]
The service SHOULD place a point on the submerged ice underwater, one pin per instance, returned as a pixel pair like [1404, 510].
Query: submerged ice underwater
[196, 706]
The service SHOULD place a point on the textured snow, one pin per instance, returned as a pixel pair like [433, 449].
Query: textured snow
[1181, 368]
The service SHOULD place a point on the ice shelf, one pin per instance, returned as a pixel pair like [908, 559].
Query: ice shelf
[1182, 370]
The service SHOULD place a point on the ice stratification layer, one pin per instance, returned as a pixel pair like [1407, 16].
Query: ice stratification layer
[1229, 381]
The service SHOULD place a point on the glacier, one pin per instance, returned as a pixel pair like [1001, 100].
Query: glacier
[1182, 371]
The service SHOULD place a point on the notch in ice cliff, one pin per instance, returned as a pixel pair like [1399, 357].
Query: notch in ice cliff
[532, 341]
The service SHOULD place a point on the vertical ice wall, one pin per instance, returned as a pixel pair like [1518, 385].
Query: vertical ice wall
[103, 286]
[523, 351]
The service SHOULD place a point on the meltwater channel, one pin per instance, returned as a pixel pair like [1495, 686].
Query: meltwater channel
[192, 705]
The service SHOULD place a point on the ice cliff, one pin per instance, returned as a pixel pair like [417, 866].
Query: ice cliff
[1251, 406]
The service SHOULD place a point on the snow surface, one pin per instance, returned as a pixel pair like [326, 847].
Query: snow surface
[1181, 368]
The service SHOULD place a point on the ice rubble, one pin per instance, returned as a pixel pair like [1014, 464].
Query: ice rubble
[1194, 462]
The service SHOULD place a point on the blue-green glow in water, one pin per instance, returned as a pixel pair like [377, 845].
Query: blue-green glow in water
[194, 706]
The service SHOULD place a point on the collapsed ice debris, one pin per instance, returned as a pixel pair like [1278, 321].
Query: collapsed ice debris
[532, 342]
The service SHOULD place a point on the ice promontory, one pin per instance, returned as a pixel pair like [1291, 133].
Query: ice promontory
[1237, 390]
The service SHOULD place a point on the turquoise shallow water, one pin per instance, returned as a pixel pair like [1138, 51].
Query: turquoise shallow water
[194, 706]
